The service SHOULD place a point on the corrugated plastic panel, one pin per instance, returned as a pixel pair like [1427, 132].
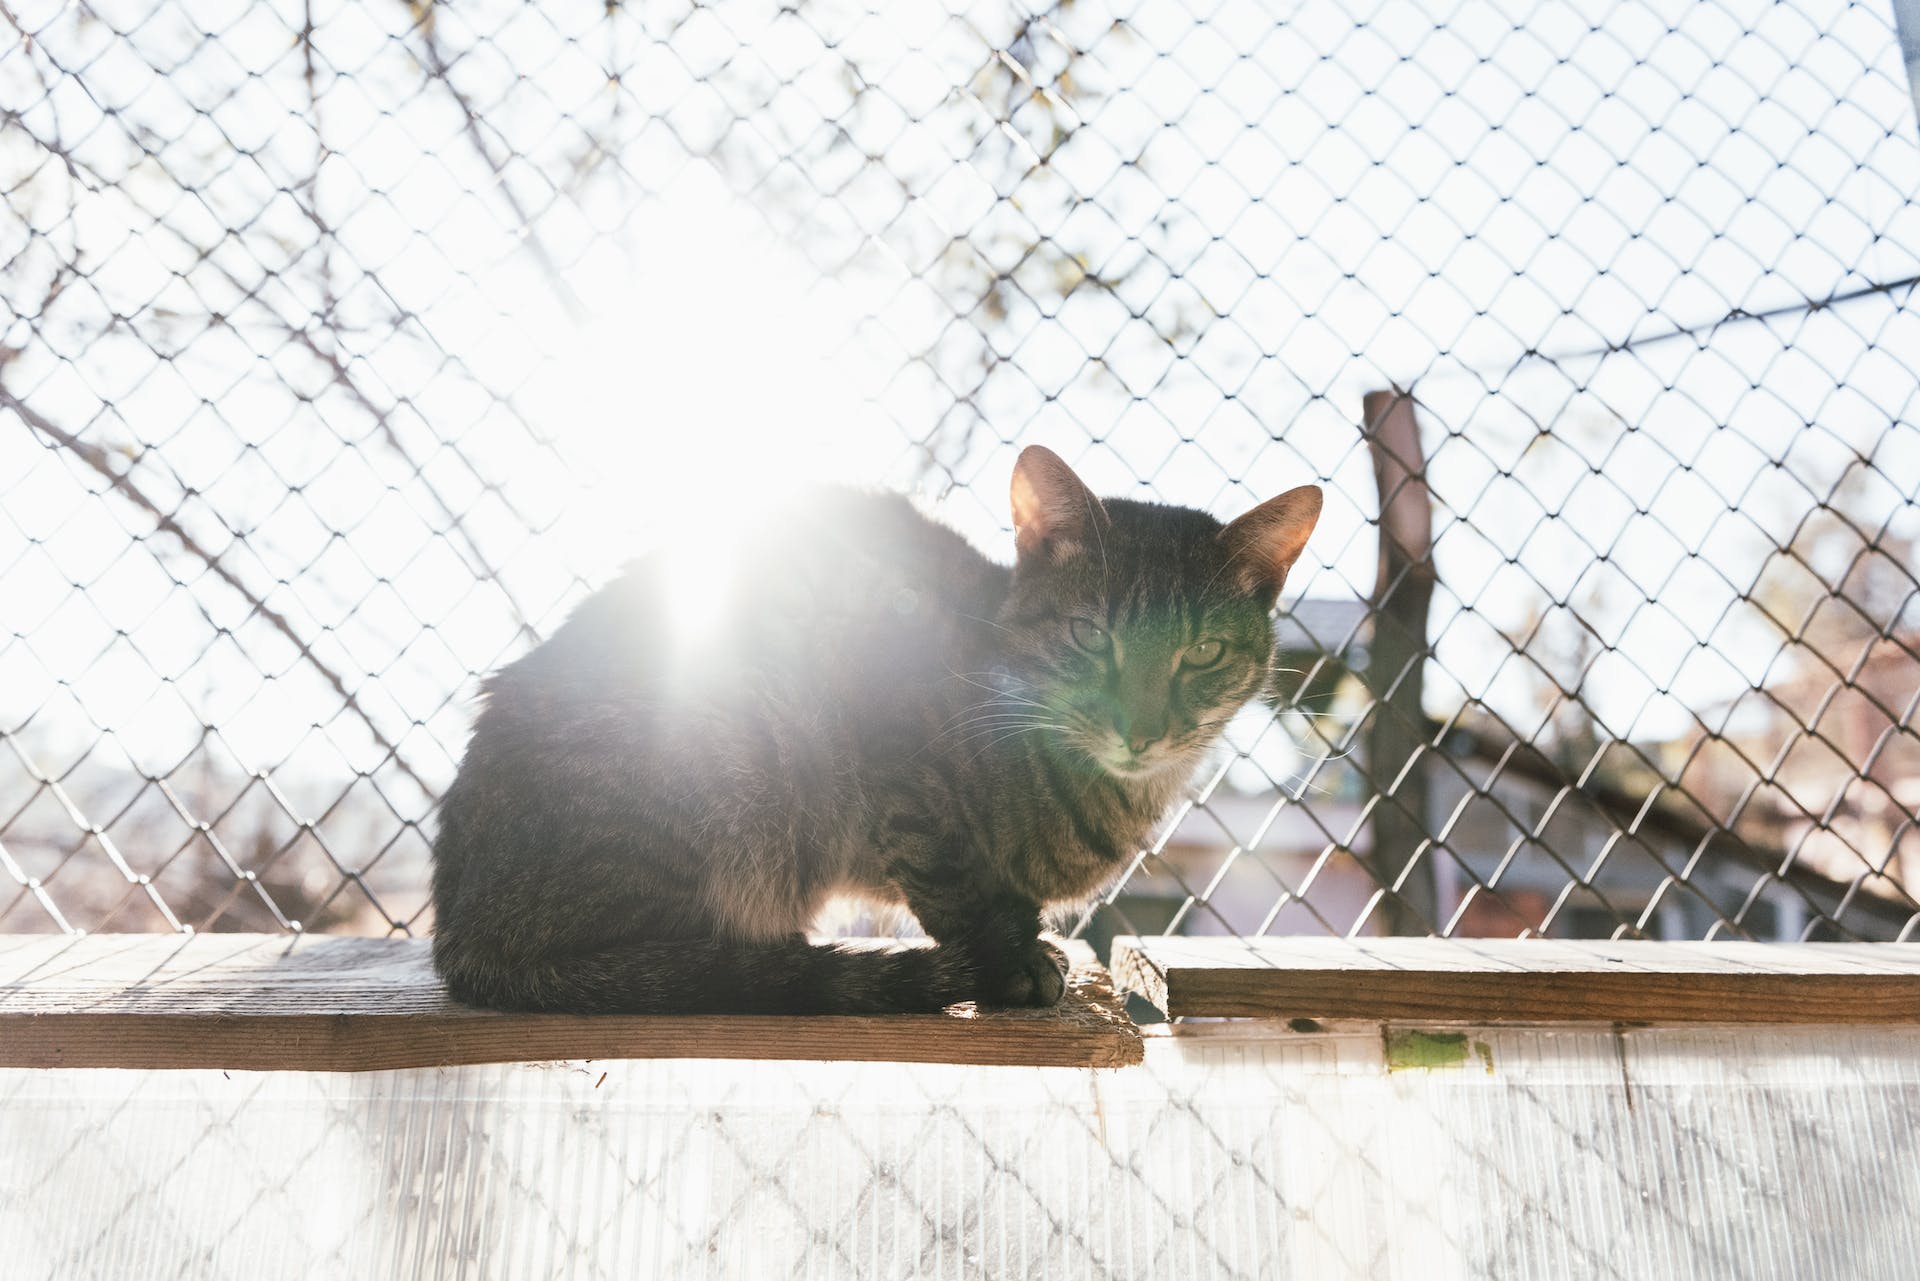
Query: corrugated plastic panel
[1755, 1153]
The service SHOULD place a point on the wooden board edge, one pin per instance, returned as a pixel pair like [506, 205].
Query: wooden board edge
[1089, 1029]
[372, 1043]
[1453, 996]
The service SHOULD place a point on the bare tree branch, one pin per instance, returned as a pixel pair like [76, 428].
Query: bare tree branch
[438, 68]
[98, 461]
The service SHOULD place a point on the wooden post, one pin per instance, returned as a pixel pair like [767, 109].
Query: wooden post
[1396, 665]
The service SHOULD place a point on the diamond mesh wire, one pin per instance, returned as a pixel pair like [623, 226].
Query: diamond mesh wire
[346, 346]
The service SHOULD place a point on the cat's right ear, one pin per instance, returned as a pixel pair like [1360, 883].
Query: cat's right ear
[1054, 514]
[1264, 543]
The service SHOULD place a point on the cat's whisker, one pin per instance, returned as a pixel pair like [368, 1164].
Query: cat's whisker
[1006, 718]
[981, 713]
[1303, 786]
[995, 723]
[996, 690]
[1000, 727]
[1006, 738]
[1030, 714]
[981, 709]
[975, 618]
[997, 674]
[1305, 782]
[983, 726]
[994, 705]
[985, 732]
[1000, 689]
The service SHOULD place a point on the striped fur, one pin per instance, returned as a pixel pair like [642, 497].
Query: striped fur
[647, 821]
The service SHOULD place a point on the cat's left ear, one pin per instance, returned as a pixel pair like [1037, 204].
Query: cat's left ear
[1054, 513]
[1264, 543]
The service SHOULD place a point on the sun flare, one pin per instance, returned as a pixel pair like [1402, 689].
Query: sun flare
[711, 377]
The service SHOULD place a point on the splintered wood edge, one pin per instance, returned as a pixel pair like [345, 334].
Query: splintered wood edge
[1504, 984]
[1135, 971]
[1088, 1028]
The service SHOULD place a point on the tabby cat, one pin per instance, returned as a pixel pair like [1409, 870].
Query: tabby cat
[647, 821]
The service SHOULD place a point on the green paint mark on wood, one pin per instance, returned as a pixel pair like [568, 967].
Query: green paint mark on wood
[1410, 1048]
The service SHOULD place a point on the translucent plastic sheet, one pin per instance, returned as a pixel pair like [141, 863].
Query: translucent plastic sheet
[1755, 1154]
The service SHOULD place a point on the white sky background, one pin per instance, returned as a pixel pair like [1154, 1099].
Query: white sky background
[1323, 199]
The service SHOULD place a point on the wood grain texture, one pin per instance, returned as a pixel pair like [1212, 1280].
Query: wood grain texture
[1524, 980]
[315, 1003]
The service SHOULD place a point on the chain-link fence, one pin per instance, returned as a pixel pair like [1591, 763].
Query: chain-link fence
[346, 346]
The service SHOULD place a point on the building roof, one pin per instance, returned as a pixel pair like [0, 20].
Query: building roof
[1327, 626]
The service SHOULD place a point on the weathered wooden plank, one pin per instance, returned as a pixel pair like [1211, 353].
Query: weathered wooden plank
[317, 1003]
[1524, 980]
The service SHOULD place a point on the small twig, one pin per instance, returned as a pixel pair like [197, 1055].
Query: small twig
[438, 67]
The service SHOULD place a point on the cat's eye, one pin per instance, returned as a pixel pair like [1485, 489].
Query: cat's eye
[1204, 655]
[1091, 637]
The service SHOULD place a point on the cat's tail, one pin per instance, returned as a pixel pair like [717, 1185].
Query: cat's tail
[710, 976]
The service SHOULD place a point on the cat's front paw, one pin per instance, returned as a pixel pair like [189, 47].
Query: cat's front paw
[1036, 975]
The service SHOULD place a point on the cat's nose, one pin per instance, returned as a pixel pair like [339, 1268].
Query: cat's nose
[1142, 734]
[1138, 735]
